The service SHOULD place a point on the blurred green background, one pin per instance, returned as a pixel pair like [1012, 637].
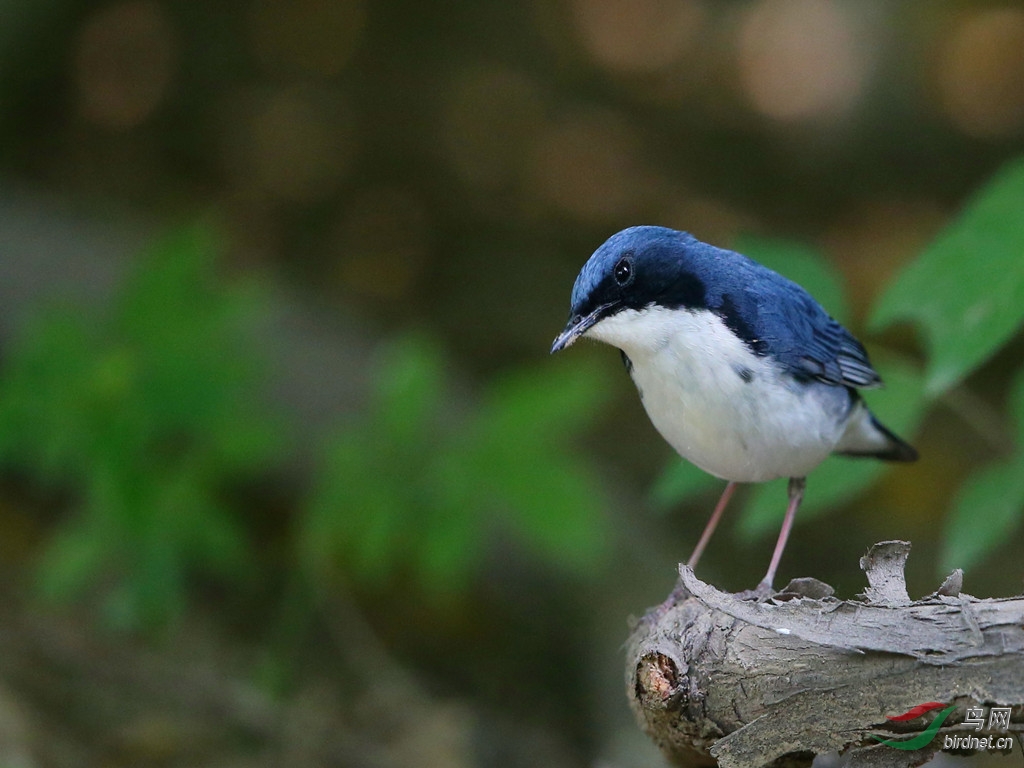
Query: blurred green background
[287, 476]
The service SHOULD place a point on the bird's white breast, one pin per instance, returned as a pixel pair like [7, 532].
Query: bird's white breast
[733, 414]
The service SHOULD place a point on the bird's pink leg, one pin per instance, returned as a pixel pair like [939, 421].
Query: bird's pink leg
[796, 495]
[709, 529]
[656, 613]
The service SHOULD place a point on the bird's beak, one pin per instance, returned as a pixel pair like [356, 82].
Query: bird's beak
[577, 326]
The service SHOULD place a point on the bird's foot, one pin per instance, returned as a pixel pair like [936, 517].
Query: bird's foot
[762, 593]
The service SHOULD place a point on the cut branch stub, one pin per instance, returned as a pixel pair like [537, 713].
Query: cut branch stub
[716, 676]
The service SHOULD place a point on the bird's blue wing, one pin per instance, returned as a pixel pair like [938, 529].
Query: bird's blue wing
[810, 342]
[777, 317]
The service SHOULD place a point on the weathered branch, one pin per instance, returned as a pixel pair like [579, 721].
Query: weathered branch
[746, 682]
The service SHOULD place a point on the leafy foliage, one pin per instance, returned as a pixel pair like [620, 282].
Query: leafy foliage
[147, 410]
[417, 488]
[679, 481]
[965, 293]
[144, 412]
[990, 504]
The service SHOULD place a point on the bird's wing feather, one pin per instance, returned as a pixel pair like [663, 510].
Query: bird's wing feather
[809, 341]
[831, 354]
[782, 320]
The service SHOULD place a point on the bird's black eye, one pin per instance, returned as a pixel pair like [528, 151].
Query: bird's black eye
[623, 271]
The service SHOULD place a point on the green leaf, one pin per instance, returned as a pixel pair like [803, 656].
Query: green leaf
[71, 560]
[46, 398]
[966, 291]
[550, 402]
[546, 497]
[448, 551]
[990, 504]
[1017, 405]
[680, 481]
[409, 384]
[554, 506]
[357, 514]
[804, 266]
[503, 465]
[900, 406]
[146, 410]
[988, 508]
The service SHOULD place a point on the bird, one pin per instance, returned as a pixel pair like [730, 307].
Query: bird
[739, 369]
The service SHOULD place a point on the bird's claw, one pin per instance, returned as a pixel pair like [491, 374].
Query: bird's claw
[762, 593]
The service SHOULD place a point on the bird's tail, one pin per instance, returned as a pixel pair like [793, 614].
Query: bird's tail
[867, 436]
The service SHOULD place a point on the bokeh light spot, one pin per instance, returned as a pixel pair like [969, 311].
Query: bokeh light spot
[382, 241]
[588, 165]
[291, 143]
[873, 238]
[311, 36]
[707, 218]
[800, 59]
[123, 65]
[489, 116]
[637, 35]
[981, 73]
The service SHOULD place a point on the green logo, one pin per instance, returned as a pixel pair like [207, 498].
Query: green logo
[925, 737]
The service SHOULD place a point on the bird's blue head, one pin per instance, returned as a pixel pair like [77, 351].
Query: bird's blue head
[634, 269]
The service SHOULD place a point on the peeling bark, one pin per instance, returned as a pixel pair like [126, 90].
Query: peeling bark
[746, 681]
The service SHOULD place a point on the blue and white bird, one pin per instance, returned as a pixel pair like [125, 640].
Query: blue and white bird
[741, 371]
